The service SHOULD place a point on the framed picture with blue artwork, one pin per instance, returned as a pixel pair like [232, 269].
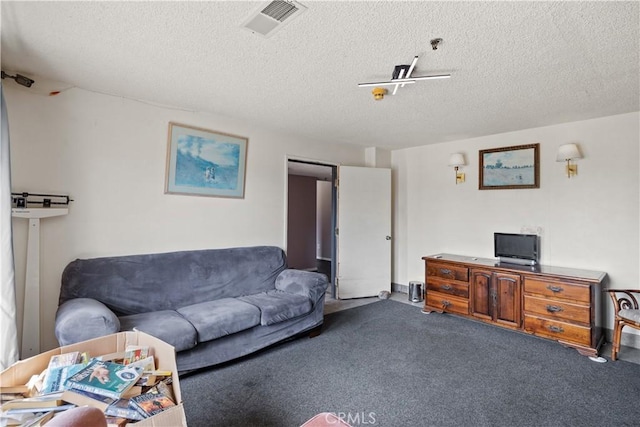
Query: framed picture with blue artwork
[510, 167]
[202, 162]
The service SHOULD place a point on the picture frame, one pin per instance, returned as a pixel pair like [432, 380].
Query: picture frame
[513, 167]
[202, 162]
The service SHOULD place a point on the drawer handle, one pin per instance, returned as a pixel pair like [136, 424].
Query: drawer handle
[445, 304]
[445, 271]
[554, 328]
[555, 288]
[554, 309]
[446, 287]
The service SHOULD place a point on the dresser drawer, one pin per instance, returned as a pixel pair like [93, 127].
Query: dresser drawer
[447, 271]
[445, 302]
[445, 287]
[557, 330]
[558, 289]
[556, 309]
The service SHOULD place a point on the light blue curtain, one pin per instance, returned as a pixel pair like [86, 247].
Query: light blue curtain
[8, 323]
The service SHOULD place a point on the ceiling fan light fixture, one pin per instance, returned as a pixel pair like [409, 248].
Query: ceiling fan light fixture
[389, 83]
[402, 75]
[411, 67]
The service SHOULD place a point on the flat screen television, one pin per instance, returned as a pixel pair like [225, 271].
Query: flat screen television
[521, 249]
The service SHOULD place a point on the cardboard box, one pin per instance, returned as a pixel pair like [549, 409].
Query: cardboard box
[20, 372]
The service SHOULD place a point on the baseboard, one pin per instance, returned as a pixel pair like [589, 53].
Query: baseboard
[397, 287]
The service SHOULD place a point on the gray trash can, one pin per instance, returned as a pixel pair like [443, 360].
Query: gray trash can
[416, 291]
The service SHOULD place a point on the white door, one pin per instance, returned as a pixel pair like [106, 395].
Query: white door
[364, 231]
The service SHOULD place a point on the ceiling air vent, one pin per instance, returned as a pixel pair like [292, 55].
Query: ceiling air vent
[269, 18]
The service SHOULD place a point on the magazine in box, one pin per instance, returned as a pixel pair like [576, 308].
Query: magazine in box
[150, 404]
[20, 372]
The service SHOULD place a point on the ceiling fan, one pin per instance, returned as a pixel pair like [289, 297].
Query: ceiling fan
[402, 76]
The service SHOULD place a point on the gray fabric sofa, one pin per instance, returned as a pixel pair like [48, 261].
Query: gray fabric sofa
[211, 305]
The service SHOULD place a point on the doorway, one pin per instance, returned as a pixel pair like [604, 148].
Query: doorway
[311, 218]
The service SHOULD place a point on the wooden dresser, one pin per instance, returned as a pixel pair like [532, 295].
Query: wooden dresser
[562, 304]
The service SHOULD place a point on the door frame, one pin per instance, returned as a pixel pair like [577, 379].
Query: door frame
[334, 210]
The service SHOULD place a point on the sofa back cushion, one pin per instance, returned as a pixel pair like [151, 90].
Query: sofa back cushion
[141, 283]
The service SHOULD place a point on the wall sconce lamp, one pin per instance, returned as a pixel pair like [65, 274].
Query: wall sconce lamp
[568, 152]
[456, 160]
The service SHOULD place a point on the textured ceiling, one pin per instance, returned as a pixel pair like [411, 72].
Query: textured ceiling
[514, 65]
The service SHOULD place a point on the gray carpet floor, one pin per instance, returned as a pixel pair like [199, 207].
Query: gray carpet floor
[388, 364]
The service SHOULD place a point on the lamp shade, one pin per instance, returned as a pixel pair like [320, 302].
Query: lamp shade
[456, 159]
[567, 152]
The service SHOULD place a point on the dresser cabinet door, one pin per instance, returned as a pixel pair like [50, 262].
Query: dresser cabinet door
[495, 297]
[507, 291]
[481, 294]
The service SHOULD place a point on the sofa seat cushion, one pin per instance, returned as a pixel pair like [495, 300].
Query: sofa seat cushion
[167, 325]
[277, 306]
[215, 319]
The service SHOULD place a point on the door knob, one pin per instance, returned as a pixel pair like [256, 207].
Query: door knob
[388, 237]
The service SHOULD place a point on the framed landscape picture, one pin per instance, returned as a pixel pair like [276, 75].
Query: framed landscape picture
[205, 163]
[510, 167]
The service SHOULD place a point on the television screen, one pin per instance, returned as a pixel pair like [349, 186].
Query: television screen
[520, 246]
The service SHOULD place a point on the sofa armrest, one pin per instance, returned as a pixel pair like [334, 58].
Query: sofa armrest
[80, 319]
[305, 283]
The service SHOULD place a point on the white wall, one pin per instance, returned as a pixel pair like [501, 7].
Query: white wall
[589, 221]
[377, 157]
[109, 154]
